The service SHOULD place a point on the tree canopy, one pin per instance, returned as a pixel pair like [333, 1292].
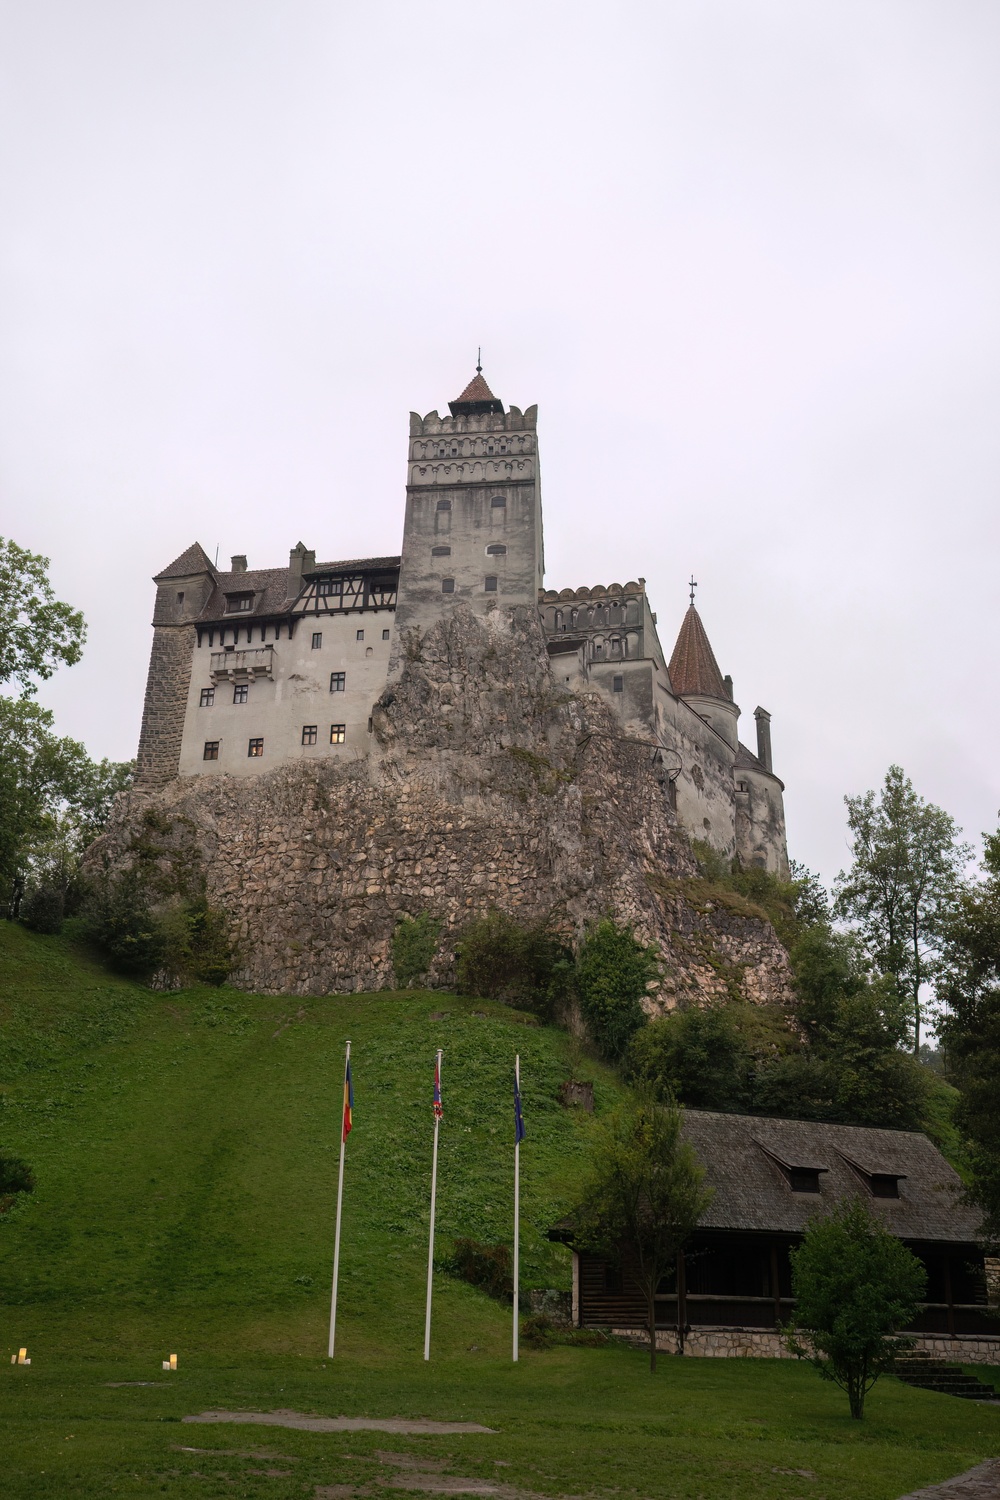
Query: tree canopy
[37, 630]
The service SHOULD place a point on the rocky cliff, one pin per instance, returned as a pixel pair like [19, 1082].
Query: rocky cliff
[487, 787]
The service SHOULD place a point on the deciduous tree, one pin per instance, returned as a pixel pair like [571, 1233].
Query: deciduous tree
[902, 884]
[37, 631]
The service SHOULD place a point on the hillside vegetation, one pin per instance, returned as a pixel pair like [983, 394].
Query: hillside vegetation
[185, 1147]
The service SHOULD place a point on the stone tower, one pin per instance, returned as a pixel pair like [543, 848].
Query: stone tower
[473, 524]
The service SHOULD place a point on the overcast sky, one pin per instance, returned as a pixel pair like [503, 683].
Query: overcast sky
[744, 254]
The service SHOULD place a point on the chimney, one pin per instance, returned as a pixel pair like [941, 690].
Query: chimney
[763, 737]
[300, 560]
[238, 564]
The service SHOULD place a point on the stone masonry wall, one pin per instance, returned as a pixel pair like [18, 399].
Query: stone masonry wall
[486, 786]
[763, 1343]
[165, 705]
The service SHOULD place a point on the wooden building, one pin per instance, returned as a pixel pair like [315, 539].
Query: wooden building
[733, 1283]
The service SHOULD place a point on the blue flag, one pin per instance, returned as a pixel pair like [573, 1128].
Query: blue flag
[518, 1117]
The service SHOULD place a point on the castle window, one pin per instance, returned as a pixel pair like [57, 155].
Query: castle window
[803, 1179]
[440, 552]
[498, 501]
[180, 598]
[338, 734]
[385, 635]
[255, 749]
[369, 650]
[238, 603]
[309, 734]
[317, 640]
[241, 692]
[618, 684]
[328, 586]
[338, 682]
[454, 450]
[211, 751]
[447, 585]
[359, 635]
[491, 583]
[496, 549]
[444, 504]
[207, 698]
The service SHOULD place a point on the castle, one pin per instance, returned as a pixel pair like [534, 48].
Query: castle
[256, 668]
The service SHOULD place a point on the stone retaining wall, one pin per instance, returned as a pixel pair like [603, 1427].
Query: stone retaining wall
[763, 1343]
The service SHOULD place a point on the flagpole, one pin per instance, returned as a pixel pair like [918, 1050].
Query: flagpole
[430, 1246]
[340, 1204]
[517, 1206]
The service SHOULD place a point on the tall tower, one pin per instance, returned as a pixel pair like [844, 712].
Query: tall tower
[473, 524]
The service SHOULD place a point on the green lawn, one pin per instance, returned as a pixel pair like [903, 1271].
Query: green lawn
[186, 1152]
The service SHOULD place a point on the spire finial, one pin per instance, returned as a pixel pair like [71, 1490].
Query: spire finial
[692, 585]
[479, 361]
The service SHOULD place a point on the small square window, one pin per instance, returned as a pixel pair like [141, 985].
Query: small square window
[309, 734]
[255, 748]
[338, 734]
[385, 635]
[317, 640]
[211, 750]
[338, 682]
[207, 698]
[359, 635]
[491, 583]
[241, 692]
[618, 684]
[447, 585]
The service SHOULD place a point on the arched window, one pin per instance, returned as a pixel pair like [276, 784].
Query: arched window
[496, 549]
[444, 505]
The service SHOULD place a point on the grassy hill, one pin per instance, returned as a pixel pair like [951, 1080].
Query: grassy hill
[186, 1151]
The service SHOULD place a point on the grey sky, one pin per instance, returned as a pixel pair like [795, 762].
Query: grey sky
[743, 253]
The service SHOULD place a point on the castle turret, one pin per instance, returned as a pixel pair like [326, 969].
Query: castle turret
[182, 591]
[473, 524]
[695, 677]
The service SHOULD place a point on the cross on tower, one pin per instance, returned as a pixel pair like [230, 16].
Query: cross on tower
[692, 585]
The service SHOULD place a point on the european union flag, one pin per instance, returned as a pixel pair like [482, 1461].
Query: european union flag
[518, 1117]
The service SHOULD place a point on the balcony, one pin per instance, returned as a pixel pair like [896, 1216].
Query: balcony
[242, 666]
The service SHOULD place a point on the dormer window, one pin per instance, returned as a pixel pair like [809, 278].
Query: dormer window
[879, 1184]
[239, 604]
[328, 586]
[800, 1176]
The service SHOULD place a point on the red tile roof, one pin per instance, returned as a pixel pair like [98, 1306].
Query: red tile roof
[477, 397]
[693, 668]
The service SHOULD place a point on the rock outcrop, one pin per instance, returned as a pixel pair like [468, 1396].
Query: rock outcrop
[488, 787]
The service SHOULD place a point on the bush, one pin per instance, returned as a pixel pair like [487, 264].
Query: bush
[43, 908]
[537, 1331]
[414, 944]
[695, 1056]
[186, 939]
[528, 967]
[613, 973]
[15, 1175]
[488, 1267]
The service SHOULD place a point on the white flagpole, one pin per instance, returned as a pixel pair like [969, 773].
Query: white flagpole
[517, 1209]
[430, 1246]
[340, 1204]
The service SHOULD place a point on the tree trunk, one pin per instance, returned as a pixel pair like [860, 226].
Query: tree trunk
[651, 1316]
[916, 987]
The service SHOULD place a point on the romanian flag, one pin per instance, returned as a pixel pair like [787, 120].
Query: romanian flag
[348, 1125]
[438, 1109]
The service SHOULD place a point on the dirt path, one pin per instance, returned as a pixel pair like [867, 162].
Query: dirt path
[339, 1424]
[980, 1483]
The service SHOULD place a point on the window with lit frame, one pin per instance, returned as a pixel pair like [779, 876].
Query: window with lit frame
[338, 734]
[309, 732]
[255, 749]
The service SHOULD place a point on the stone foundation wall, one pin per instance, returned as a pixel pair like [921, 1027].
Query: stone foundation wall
[486, 786]
[763, 1343]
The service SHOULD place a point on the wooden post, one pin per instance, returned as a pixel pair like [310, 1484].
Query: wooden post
[776, 1286]
[949, 1298]
[681, 1301]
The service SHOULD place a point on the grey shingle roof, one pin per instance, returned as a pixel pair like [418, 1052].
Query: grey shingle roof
[269, 587]
[354, 564]
[193, 560]
[752, 1192]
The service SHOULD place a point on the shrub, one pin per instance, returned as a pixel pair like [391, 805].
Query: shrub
[502, 960]
[119, 919]
[613, 972]
[414, 944]
[537, 1331]
[695, 1056]
[43, 908]
[485, 1266]
[15, 1175]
